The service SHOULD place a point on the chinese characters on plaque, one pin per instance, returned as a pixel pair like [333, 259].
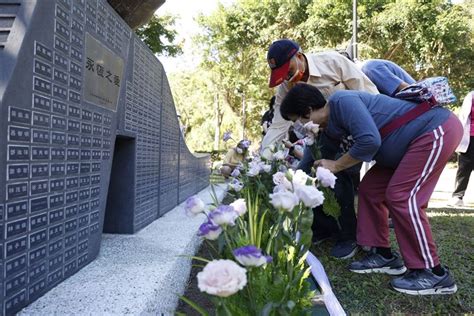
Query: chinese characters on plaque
[103, 75]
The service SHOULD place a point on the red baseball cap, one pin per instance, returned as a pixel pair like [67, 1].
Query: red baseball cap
[278, 57]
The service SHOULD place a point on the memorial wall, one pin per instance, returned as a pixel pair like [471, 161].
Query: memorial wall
[89, 141]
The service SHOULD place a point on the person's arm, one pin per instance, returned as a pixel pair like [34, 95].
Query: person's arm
[402, 86]
[298, 153]
[353, 78]
[344, 162]
[229, 159]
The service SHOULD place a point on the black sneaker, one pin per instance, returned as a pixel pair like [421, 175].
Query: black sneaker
[374, 262]
[344, 249]
[425, 282]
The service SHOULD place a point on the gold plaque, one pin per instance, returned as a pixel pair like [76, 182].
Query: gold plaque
[103, 73]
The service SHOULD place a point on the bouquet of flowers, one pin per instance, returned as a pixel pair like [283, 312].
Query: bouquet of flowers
[261, 240]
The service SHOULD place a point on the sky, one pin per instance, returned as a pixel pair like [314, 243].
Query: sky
[186, 11]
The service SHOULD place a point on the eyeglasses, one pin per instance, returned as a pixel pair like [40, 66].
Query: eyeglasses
[291, 72]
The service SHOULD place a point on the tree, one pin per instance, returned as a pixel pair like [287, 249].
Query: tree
[159, 35]
[426, 37]
[201, 108]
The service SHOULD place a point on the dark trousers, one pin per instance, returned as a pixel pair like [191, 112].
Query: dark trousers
[345, 227]
[465, 167]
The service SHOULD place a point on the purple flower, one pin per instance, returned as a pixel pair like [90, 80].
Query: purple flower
[235, 173]
[227, 135]
[236, 185]
[244, 143]
[224, 215]
[251, 256]
[209, 230]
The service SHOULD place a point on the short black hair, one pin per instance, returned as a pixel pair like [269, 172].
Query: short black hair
[300, 99]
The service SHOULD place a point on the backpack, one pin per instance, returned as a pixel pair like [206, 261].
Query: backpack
[429, 92]
[434, 88]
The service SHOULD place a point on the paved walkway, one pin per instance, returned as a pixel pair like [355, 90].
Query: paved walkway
[445, 186]
[139, 274]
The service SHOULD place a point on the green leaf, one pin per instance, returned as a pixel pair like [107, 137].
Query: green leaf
[196, 258]
[330, 205]
[198, 308]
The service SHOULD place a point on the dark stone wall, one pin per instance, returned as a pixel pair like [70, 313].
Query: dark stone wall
[71, 168]
[136, 12]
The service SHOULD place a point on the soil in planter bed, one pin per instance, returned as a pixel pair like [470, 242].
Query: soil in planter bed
[192, 291]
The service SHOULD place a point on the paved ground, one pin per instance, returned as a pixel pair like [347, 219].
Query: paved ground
[138, 274]
[445, 187]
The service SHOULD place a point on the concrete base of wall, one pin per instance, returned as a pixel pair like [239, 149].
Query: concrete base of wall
[133, 274]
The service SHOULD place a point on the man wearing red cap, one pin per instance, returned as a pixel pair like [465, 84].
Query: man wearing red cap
[328, 71]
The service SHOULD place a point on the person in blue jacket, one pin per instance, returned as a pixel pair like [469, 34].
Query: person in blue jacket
[388, 77]
[409, 162]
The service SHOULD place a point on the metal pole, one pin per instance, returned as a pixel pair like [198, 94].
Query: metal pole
[243, 115]
[354, 30]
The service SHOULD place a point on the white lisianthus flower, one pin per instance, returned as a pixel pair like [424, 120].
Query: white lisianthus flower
[253, 171]
[285, 200]
[309, 195]
[326, 177]
[239, 150]
[239, 206]
[267, 168]
[280, 179]
[222, 278]
[300, 177]
[193, 206]
[224, 215]
[279, 188]
[280, 155]
[309, 141]
[311, 128]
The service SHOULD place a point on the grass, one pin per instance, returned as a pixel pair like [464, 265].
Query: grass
[453, 231]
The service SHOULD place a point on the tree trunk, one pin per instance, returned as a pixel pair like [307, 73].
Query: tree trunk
[218, 122]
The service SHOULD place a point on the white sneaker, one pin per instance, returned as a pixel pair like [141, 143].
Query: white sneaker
[455, 201]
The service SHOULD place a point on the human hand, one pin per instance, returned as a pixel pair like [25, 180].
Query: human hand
[328, 164]
[287, 143]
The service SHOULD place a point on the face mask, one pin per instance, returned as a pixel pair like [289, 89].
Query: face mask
[298, 74]
[298, 128]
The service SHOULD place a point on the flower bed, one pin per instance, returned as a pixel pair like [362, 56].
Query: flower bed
[260, 241]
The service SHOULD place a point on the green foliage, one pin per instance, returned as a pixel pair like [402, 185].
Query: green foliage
[201, 107]
[370, 294]
[159, 35]
[427, 38]
[330, 205]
